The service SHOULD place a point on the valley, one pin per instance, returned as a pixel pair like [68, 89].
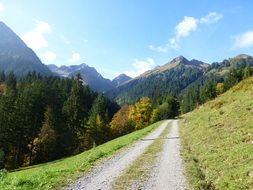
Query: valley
[126, 95]
[210, 130]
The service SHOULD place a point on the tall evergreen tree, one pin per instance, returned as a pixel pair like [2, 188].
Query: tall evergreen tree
[45, 144]
[76, 110]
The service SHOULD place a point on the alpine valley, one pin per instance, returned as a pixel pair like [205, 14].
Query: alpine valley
[183, 124]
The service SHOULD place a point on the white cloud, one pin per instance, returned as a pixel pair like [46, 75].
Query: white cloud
[75, 57]
[244, 40]
[184, 28]
[1, 7]
[187, 25]
[35, 39]
[48, 56]
[140, 66]
[211, 18]
[171, 44]
[159, 48]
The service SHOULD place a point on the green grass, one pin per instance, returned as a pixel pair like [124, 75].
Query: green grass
[217, 140]
[53, 175]
[139, 170]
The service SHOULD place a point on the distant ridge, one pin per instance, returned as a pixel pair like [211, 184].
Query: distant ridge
[174, 77]
[90, 76]
[169, 78]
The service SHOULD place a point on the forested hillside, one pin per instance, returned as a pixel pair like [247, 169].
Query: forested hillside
[220, 77]
[181, 77]
[45, 118]
[171, 78]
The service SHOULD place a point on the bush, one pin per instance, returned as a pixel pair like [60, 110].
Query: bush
[3, 174]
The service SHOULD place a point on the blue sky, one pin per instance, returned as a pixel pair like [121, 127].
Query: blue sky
[131, 36]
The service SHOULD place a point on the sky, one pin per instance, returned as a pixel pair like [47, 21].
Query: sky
[130, 36]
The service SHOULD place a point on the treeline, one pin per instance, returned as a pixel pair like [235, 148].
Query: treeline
[210, 87]
[46, 118]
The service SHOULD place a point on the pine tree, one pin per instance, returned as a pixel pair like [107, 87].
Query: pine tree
[76, 110]
[98, 120]
[45, 144]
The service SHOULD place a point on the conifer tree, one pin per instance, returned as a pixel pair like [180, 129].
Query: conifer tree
[76, 110]
[45, 144]
[98, 120]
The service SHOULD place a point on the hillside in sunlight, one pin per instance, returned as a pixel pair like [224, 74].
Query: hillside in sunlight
[217, 141]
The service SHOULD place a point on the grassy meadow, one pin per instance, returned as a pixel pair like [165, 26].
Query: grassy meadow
[53, 175]
[217, 141]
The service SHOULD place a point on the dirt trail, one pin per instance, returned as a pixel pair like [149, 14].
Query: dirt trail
[102, 176]
[168, 172]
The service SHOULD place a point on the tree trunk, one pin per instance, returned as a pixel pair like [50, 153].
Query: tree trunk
[17, 156]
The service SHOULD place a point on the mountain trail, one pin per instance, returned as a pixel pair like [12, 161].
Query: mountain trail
[102, 176]
[168, 173]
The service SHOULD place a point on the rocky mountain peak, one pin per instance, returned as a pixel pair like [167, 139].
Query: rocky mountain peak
[180, 59]
[121, 79]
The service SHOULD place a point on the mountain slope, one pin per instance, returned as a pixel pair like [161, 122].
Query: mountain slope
[218, 141]
[222, 68]
[89, 74]
[170, 78]
[16, 56]
[218, 72]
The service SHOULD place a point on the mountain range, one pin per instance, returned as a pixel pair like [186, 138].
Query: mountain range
[90, 76]
[173, 77]
[169, 78]
[17, 57]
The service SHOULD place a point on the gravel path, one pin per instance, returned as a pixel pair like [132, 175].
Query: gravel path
[102, 176]
[168, 174]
